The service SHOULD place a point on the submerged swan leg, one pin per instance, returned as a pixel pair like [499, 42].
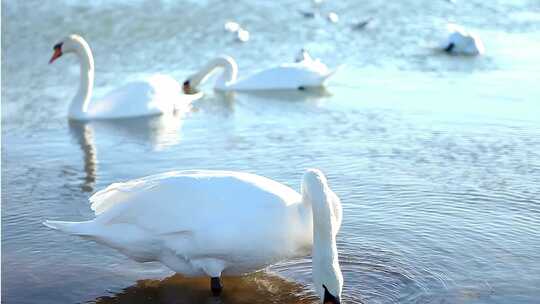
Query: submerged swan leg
[216, 286]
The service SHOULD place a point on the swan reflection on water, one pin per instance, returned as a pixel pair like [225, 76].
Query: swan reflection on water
[256, 288]
[224, 104]
[304, 94]
[158, 131]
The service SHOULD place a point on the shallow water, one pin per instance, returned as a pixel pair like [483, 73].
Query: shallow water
[436, 159]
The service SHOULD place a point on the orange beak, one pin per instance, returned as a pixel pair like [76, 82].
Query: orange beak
[57, 53]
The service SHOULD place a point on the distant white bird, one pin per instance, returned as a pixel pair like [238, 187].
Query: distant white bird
[288, 76]
[158, 94]
[302, 56]
[333, 17]
[214, 223]
[242, 35]
[462, 42]
[231, 26]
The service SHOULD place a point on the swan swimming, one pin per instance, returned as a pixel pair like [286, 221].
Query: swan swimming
[214, 223]
[460, 41]
[288, 76]
[158, 94]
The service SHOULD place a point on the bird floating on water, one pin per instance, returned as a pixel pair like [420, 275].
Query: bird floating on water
[157, 94]
[214, 223]
[463, 42]
[242, 35]
[288, 76]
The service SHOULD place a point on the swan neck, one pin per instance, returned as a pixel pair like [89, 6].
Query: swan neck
[79, 105]
[326, 270]
[315, 192]
[323, 226]
[229, 75]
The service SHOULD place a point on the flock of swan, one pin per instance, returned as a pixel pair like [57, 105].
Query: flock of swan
[214, 223]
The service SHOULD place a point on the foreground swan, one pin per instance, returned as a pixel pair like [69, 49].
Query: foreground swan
[158, 94]
[289, 76]
[209, 223]
[462, 42]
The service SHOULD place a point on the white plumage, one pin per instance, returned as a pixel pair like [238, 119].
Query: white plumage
[461, 41]
[209, 223]
[158, 94]
[288, 76]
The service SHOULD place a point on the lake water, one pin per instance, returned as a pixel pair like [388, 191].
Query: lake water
[436, 159]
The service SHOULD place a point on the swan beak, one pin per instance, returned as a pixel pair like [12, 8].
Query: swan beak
[333, 301]
[57, 53]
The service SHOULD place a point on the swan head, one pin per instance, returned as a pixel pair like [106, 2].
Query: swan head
[327, 276]
[228, 76]
[70, 44]
[188, 88]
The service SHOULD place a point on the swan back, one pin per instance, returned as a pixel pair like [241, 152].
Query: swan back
[290, 76]
[184, 183]
[153, 95]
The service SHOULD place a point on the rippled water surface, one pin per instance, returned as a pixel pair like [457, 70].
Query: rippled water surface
[436, 158]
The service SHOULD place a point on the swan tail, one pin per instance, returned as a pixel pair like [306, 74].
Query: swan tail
[74, 228]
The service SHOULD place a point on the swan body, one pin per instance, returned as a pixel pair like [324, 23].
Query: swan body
[208, 223]
[158, 94]
[288, 76]
[462, 42]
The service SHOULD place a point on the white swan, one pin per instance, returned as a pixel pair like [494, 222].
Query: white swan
[462, 42]
[209, 223]
[289, 76]
[158, 94]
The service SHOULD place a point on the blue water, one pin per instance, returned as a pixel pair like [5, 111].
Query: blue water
[436, 159]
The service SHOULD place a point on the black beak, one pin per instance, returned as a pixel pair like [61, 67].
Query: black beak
[329, 298]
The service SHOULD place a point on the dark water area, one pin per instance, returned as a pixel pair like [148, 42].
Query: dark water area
[436, 159]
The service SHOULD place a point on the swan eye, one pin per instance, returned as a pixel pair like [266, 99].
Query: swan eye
[58, 46]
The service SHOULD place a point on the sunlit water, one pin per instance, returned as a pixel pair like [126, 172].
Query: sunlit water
[436, 158]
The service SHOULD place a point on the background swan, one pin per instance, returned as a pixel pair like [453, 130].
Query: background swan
[297, 75]
[155, 95]
[460, 41]
[209, 223]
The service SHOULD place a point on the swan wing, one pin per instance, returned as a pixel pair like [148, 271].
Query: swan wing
[287, 76]
[193, 201]
[152, 96]
[118, 193]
